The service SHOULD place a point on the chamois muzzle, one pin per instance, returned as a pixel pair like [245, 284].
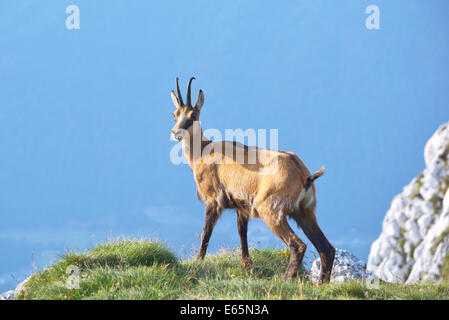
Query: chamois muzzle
[178, 134]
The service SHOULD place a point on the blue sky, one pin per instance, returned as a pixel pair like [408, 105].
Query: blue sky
[85, 115]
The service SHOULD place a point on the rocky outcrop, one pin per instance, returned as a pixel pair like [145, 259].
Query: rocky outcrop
[8, 295]
[11, 294]
[346, 267]
[415, 231]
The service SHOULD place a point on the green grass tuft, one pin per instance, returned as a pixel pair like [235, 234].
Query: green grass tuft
[439, 239]
[445, 269]
[131, 269]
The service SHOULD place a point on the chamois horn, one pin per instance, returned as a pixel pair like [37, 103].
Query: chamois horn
[189, 102]
[181, 103]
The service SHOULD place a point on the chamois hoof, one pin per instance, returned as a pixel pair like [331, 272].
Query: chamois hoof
[200, 257]
[246, 262]
[291, 273]
[324, 278]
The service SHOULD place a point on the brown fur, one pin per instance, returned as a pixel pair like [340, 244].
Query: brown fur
[283, 192]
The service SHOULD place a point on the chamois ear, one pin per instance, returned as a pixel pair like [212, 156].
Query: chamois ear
[200, 101]
[175, 100]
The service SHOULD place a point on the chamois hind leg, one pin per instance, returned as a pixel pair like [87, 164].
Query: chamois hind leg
[242, 222]
[297, 248]
[307, 221]
[212, 214]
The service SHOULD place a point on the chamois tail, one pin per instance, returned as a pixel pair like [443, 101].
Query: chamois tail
[313, 177]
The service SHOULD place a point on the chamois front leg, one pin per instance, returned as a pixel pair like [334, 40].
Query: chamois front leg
[212, 214]
[242, 222]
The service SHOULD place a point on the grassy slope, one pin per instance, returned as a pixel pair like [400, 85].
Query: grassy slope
[138, 269]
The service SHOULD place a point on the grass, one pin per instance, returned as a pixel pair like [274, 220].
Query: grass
[445, 269]
[439, 239]
[419, 184]
[139, 269]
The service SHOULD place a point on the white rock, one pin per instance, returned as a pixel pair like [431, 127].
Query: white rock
[21, 287]
[446, 203]
[412, 233]
[8, 295]
[417, 254]
[430, 253]
[423, 224]
[436, 144]
[392, 229]
[346, 267]
[11, 294]
[415, 211]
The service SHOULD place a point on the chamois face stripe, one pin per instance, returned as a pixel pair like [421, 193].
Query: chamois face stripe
[186, 123]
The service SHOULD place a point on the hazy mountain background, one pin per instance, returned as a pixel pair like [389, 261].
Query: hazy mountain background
[85, 115]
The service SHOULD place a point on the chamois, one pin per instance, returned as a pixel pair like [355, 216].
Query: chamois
[268, 184]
